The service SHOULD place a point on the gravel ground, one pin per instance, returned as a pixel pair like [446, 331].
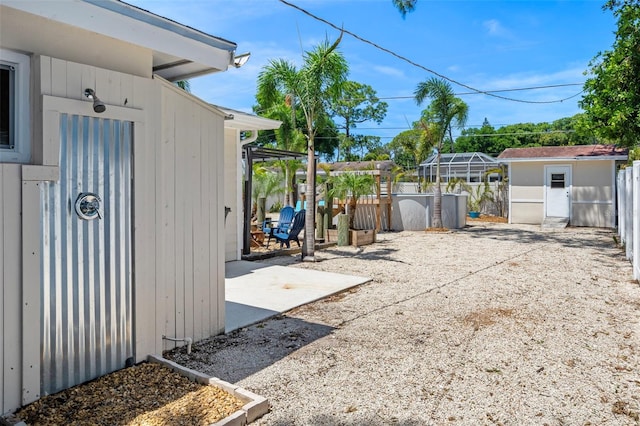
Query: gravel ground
[492, 324]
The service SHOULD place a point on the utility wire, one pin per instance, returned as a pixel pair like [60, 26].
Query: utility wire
[550, 86]
[415, 64]
[550, 132]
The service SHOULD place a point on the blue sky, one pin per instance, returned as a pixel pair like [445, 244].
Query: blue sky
[488, 45]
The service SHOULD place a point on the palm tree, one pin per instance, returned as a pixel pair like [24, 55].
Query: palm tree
[405, 6]
[445, 108]
[351, 186]
[266, 183]
[184, 85]
[309, 88]
[288, 138]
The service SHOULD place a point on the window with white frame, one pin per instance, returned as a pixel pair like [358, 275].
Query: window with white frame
[15, 140]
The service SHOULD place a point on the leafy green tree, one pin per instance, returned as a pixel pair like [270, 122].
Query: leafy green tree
[358, 104]
[444, 110]
[612, 93]
[376, 156]
[318, 81]
[327, 136]
[561, 132]
[410, 148]
[476, 140]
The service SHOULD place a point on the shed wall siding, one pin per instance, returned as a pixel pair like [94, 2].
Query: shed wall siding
[190, 213]
[527, 192]
[592, 181]
[523, 212]
[592, 192]
[232, 194]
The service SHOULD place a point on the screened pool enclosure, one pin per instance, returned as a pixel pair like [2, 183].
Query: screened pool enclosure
[468, 166]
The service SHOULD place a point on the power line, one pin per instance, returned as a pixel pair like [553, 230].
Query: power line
[475, 136]
[415, 64]
[550, 86]
[517, 133]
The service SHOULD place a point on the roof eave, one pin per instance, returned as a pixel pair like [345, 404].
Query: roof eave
[169, 40]
[558, 159]
[244, 121]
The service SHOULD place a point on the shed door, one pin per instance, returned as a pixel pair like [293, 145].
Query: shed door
[86, 328]
[558, 191]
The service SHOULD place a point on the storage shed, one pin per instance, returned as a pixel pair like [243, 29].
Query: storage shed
[111, 191]
[577, 183]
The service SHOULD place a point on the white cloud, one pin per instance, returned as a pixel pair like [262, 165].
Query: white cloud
[390, 71]
[495, 28]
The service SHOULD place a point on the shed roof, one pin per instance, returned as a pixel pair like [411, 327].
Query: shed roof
[179, 51]
[575, 152]
[244, 121]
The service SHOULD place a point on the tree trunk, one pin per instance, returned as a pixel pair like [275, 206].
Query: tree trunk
[308, 249]
[352, 212]
[262, 201]
[287, 185]
[437, 197]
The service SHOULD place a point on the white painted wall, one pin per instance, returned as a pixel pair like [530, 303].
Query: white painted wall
[592, 192]
[178, 214]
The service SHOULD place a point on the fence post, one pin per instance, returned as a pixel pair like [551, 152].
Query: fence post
[628, 217]
[621, 207]
[343, 229]
[636, 221]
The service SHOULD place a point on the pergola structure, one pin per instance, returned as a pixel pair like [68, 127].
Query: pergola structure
[250, 154]
[469, 166]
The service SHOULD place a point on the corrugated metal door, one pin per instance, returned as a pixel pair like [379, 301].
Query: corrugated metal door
[86, 292]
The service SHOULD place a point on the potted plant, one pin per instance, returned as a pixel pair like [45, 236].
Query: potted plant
[477, 196]
[350, 186]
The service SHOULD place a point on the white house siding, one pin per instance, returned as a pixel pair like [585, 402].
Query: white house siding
[10, 278]
[232, 197]
[189, 217]
[51, 38]
[178, 214]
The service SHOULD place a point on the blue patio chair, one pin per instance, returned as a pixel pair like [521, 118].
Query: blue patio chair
[281, 225]
[285, 238]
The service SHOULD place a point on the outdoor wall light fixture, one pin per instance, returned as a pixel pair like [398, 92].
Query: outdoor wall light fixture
[98, 105]
[240, 60]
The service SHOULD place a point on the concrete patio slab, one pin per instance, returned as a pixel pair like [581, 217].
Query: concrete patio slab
[257, 291]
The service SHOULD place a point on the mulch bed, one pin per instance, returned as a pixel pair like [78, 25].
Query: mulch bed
[145, 394]
[488, 218]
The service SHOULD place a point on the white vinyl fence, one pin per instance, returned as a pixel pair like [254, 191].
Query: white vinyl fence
[628, 214]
